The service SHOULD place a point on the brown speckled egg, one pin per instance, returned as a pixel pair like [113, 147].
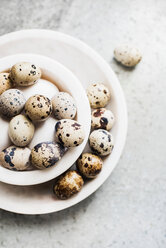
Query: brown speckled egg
[25, 73]
[46, 154]
[68, 184]
[5, 82]
[101, 142]
[89, 165]
[15, 158]
[38, 108]
[69, 132]
[102, 118]
[21, 130]
[127, 55]
[11, 102]
[98, 95]
[64, 106]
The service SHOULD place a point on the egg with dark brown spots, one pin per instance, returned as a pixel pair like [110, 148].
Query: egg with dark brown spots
[102, 118]
[46, 154]
[21, 130]
[25, 73]
[98, 95]
[12, 102]
[38, 108]
[15, 158]
[5, 82]
[68, 185]
[69, 132]
[101, 142]
[64, 106]
[89, 165]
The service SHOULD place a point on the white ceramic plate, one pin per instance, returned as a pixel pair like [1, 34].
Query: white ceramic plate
[65, 80]
[89, 67]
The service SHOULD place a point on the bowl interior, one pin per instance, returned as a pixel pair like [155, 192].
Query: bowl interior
[54, 76]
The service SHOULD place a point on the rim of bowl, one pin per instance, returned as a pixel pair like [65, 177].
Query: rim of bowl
[70, 83]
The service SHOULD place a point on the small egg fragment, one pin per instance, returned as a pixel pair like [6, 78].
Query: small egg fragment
[5, 82]
[102, 118]
[25, 73]
[68, 184]
[46, 154]
[21, 130]
[127, 55]
[69, 132]
[89, 165]
[101, 142]
[12, 102]
[98, 95]
[15, 158]
[38, 108]
[64, 106]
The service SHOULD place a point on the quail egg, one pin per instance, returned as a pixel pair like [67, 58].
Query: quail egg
[101, 142]
[15, 158]
[64, 106]
[11, 102]
[102, 118]
[21, 130]
[127, 55]
[68, 184]
[98, 95]
[5, 82]
[46, 154]
[25, 74]
[69, 132]
[89, 165]
[38, 108]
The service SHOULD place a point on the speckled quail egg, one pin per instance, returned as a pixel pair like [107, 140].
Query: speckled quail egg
[98, 95]
[69, 132]
[25, 74]
[127, 55]
[15, 158]
[68, 184]
[21, 130]
[5, 82]
[38, 108]
[11, 102]
[64, 106]
[102, 118]
[46, 154]
[101, 142]
[89, 165]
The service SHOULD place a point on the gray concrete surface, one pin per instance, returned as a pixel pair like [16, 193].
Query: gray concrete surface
[129, 210]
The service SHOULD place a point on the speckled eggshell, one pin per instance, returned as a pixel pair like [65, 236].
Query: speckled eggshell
[15, 158]
[127, 55]
[64, 106]
[69, 132]
[98, 95]
[68, 184]
[46, 154]
[25, 74]
[89, 165]
[101, 142]
[12, 102]
[38, 108]
[21, 130]
[102, 118]
[5, 82]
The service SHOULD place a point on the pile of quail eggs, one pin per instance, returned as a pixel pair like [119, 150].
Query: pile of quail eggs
[23, 115]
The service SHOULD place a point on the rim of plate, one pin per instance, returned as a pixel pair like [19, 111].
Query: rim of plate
[123, 123]
[67, 80]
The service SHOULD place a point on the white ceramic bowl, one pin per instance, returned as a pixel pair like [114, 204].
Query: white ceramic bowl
[65, 80]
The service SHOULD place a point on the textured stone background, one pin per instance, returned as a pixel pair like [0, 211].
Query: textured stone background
[129, 210]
